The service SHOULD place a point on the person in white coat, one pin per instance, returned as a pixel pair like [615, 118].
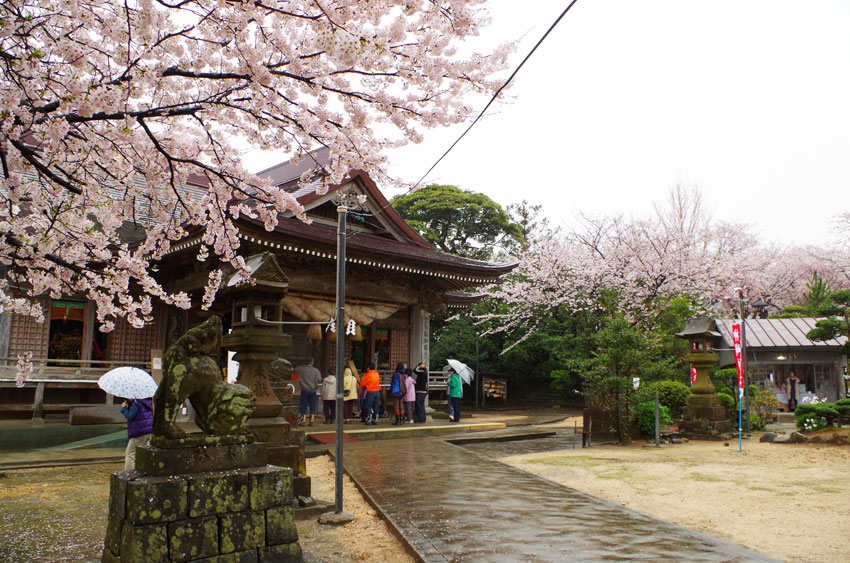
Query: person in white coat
[329, 397]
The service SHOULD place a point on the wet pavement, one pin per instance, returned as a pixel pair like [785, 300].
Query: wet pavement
[453, 504]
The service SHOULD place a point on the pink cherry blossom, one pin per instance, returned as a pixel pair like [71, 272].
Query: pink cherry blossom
[108, 107]
[647, 261]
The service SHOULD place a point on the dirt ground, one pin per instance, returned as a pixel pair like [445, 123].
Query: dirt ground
[59, 515]
[367, 538]
[786, 501]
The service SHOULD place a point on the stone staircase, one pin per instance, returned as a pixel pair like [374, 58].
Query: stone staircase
[782, 422]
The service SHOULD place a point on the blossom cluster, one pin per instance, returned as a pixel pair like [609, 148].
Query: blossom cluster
[642, 263]
[108, 108]
[814, 400]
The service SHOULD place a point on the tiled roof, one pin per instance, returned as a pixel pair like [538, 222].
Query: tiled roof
[288, 171]
[372, 245]
[777, 333]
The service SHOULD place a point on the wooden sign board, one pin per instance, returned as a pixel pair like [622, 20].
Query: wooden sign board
[495, 388]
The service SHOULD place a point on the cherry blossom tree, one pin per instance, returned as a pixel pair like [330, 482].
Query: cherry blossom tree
[110, 108]
[638, 266]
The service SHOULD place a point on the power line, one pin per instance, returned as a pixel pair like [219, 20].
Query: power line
[499, 91]
[492, 99]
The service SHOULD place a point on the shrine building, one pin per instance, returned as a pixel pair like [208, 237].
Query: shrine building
[395, 281]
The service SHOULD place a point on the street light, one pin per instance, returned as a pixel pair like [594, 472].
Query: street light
[345, 199]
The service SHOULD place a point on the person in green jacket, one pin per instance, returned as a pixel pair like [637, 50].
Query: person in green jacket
[455, 388]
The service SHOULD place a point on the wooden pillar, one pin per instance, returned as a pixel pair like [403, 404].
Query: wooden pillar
[88, 332]
[38, 404]
[5, 332]
[419, 334]
[420, 350]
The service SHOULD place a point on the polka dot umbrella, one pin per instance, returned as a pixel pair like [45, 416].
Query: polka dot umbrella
[128, 382]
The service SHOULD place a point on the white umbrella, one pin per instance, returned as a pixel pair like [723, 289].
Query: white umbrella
[466, 374]
[128, 382]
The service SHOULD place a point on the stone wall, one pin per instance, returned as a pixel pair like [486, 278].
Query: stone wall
[242, 515]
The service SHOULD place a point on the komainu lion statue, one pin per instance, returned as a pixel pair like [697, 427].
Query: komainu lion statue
[190, 373]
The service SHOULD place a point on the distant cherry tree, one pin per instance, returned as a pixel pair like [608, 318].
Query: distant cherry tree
[637, 266]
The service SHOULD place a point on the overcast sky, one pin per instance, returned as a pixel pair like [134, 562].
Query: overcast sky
[748, 99]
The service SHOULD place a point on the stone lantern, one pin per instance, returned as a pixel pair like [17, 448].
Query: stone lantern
[257, 338]
[705, 415]
[256, 333]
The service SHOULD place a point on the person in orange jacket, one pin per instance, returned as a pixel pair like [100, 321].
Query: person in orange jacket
[371, 383]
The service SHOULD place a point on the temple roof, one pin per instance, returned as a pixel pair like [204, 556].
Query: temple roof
[378, 237]
[778, 333]
[394, 239]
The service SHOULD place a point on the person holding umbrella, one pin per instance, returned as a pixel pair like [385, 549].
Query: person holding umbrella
[137, 387]
[139, 415]
[455, 388]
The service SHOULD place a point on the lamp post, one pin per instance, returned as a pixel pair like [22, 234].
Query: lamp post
[345, 199]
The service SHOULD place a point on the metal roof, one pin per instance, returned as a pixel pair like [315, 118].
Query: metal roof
[778, 333]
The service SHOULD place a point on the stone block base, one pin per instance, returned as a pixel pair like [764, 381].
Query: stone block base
[222, 516]
[274, 430]
[178, 461]
[705, 418]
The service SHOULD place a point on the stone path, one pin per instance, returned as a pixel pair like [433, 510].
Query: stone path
[453, 504]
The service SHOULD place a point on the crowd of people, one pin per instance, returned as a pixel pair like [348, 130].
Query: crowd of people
[408, 391]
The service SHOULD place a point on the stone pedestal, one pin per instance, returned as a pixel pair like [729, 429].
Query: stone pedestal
[705, 416]
[272, 422]
[215, 513]
[255, 351]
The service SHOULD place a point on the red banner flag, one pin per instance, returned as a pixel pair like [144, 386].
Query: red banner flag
[739, 360]
[693, 374]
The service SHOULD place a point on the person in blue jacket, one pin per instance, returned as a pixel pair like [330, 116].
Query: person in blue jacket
[139, 415]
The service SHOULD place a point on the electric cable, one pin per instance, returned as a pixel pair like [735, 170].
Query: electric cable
[496, 95]
[489, 103]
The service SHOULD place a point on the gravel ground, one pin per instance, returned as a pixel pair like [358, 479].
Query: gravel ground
[59, 514]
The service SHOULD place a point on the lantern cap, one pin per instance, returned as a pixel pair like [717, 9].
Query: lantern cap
[699, 326]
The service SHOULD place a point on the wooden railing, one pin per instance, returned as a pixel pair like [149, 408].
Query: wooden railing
[436, 380]
[55, 370]
[55, 373]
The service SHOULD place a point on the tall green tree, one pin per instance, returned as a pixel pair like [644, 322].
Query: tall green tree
[817, 301]
[459, 222]
[623, 352]
[838, 324]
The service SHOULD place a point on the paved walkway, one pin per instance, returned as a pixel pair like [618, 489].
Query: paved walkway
[453, 504]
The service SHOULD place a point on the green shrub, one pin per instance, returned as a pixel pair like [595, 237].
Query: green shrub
[671, 394]
[644, 414]
[723, 388]
[810, 411]
[764, 404]
[842, 406]
[728, 402]
[756, 422]
[754, 390]
[811, 422]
